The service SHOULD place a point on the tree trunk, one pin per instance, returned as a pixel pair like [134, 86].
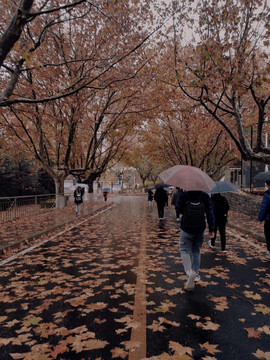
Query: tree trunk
[15, 28]
[90, 186]
[59, 191]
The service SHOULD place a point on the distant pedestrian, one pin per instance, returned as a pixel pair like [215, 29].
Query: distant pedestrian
[220, 208]
[105, 195]
[264, 214]
[175, 198]
[78, 198]
[150, 199]
[194, 205]
[161, 198]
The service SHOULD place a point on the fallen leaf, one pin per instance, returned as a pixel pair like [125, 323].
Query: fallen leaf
[262, 355]
[131, 345]
[252, 333]
[194, 317]
[163, 309]
[118, 353]
[232, 286]
[32, 321]
[263, 309]
[180, 349]
[265, 329]
[212, 349]
[156, 326]
[208, 325]
[252, 295]
[90, 344]
[166, 321]
[59, 349]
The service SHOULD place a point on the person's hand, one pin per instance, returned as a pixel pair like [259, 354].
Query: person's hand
[211, 235]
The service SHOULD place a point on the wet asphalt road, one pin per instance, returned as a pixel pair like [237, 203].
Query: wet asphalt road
[112, 287]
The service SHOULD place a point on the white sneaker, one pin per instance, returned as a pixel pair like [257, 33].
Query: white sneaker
[211, 246]
[190, 285]
[197, 278]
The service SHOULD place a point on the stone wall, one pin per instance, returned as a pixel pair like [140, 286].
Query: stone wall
[244, 203]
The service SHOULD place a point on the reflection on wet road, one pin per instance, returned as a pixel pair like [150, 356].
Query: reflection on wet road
[113, 288]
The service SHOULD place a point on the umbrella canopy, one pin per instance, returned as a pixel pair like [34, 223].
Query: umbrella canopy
[162, 185]
[106, 189]
[188, 178]
[224, 186]
[264, 175]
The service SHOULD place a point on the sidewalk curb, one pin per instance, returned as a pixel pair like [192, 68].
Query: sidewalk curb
[53, 228]
[245, 231]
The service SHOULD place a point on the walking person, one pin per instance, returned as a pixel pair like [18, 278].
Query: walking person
[220, 208]
[264, 215]
[78, 198]
[194, 205]
[150, 199]
[174, 201]
[105, 195]
[161, 198]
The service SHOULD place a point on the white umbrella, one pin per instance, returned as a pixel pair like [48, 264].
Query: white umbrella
[186, 177]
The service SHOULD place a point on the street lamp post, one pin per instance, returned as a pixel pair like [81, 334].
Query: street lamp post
[251, 162]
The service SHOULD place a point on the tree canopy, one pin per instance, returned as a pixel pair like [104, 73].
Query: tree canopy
[79, 80]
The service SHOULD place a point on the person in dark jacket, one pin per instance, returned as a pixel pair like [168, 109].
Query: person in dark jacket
[264, 214]
[192, 231]
[78, 198]
[161, 198]
[174, 201]
[220, 209]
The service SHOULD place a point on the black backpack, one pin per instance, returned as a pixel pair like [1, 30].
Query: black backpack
[78, 194]
[193, 219]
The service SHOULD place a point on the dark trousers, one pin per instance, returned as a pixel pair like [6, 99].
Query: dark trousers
[222, 232]
[267, 233]
[160, 210]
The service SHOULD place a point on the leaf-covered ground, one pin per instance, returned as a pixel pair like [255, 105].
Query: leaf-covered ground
[24, 227]
[113, 288]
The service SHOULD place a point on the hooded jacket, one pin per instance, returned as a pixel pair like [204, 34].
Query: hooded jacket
[264, 213]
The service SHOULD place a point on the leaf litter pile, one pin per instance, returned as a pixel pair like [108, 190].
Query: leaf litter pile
[74, 297]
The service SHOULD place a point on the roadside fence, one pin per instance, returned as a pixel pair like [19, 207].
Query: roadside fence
[15, 207]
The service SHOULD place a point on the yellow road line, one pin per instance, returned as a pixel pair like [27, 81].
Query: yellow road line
[138, 333]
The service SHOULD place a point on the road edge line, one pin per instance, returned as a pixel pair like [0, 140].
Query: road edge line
[5, 261]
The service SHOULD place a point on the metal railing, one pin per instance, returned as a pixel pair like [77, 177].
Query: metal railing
[15, 207]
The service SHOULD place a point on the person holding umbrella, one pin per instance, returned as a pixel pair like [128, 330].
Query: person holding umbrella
[220, 209]
[175, 198]
[105, 193]
[195, 204]
[161, 198]
[78, 198]
[264, 214]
